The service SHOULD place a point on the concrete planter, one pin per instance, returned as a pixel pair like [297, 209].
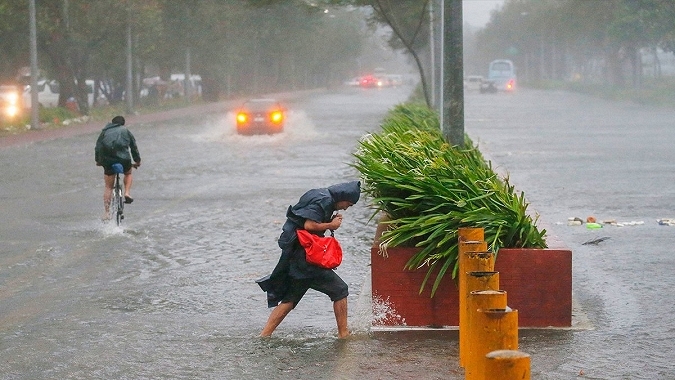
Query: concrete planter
[538, 283]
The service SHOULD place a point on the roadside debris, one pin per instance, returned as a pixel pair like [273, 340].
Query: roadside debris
[666, 222]
[593, 223]
[574, 221]
[596, 241]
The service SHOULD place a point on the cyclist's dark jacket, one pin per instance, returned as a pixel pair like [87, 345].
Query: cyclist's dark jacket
[317, 205]
[114, 145]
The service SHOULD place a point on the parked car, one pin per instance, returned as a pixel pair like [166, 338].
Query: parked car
[473, 82]
[48, 94]
[260, 116]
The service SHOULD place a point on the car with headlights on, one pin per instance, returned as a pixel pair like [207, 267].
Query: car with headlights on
[260, 116]
[10, 103]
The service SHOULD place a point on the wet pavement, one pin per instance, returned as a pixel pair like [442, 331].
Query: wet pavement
[171, 293]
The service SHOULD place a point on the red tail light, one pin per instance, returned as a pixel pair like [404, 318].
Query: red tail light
[242, 118]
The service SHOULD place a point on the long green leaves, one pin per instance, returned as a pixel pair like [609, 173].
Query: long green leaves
[430, 189]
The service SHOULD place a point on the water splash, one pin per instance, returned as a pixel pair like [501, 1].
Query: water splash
[384, 313]
[110, 228]
[298, 126]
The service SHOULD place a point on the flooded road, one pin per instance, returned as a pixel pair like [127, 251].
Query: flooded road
[171, 293]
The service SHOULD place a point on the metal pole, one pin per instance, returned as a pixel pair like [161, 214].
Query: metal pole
[438, 56]
[432, 53]
[441, 65]
[188, 76]
[34, 102]
[453, 74]
[129, 97]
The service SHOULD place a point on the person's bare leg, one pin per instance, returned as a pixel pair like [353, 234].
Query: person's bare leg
[340, 309]
[128, 180]
[109, 181]
[278, 314]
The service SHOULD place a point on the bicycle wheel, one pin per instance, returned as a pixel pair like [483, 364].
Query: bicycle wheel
[116, 202]
[119, 199]
[112, 206]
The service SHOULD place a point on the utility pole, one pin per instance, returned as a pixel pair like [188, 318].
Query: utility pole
[436, 43]
[453, 74]
[34, 102]
[187, 82]
[130, 76]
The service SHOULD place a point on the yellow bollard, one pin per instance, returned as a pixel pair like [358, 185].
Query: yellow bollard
[481, 280]
[495, 329]
[507, 365]
[478, 300]
[470, 234]
[469, 261]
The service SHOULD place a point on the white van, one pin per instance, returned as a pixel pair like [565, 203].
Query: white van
[48, 94]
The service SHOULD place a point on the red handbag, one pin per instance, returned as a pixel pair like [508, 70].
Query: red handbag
[322, 251]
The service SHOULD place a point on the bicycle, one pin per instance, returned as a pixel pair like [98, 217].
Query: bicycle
[117, 200]
[116, 208]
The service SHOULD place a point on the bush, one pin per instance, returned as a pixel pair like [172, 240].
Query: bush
[430, 189]
[55, 115]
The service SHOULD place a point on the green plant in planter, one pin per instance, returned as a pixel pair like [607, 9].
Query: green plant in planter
[430, 189]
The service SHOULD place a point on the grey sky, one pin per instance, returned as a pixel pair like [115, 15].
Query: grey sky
[477, 12]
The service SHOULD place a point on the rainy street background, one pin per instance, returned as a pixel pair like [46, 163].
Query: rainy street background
[171, 293]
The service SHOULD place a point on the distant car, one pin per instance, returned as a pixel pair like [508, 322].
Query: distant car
[473, 82]
[260, 116]
[393, 80]
[353, 82]
[502, 72]
[488, 87]
[10, 102]
[370, 81]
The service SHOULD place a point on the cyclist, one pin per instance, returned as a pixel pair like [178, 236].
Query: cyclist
[114, 145]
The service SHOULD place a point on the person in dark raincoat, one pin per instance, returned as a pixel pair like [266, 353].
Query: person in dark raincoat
[116, 145]
[293, 276]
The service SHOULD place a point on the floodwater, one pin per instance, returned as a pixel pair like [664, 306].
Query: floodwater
[170, 294]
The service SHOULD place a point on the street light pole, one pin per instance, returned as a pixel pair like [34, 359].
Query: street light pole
[130, 77]
[453, 74]
[34, 102]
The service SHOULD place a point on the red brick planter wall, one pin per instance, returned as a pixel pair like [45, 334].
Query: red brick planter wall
[538, 283]
[399, 290]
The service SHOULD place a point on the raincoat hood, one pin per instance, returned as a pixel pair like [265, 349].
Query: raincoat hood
[348, 191]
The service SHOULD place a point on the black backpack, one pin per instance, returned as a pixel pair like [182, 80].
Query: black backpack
[113, 141]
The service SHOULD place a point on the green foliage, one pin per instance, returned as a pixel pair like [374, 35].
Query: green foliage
[430, 189]
[48, 117]
[243, 47]
[559, 39]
